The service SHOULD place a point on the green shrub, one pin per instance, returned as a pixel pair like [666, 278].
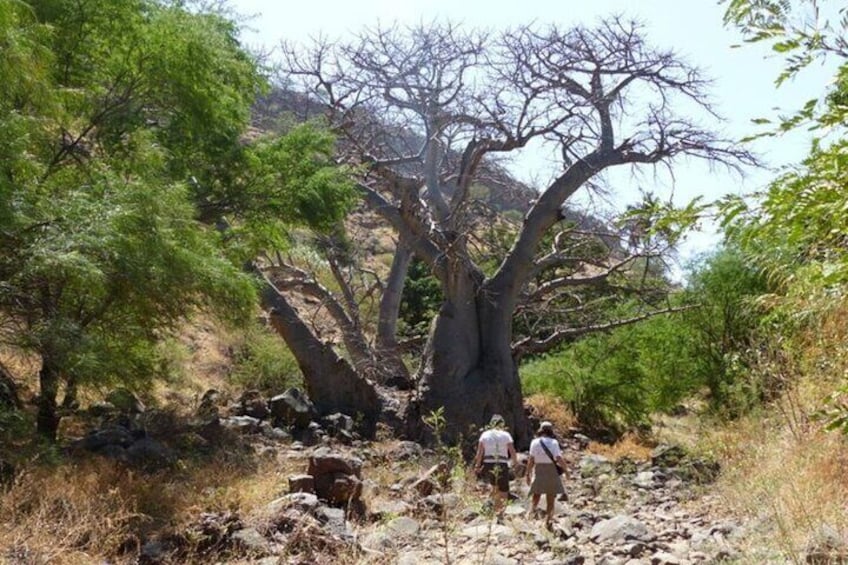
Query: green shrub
[726, 328]
[616, 380]
[422, 297]
[263, 362]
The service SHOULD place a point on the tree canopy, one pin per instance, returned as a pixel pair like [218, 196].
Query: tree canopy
[425, 113]
[115, 119]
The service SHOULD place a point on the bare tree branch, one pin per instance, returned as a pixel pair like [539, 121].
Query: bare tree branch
[530, 345]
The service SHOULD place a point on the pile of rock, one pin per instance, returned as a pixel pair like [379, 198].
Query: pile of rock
[129, 432]
[288, 415]
[333, 478]
[125, 434]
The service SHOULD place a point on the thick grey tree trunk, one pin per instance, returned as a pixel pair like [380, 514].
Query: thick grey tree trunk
[388, 352]
[331, 383]
[468, 370]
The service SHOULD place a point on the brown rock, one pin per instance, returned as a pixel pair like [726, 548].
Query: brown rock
[345, 489]
[302, 483]
[324, 462]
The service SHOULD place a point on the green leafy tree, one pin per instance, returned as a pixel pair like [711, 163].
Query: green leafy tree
[421, 300]
[614, 381]
[801, 32]
[119, 115]
[794, 229]
[726, 286]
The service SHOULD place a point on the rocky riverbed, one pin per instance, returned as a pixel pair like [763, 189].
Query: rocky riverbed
[397, 502]
[400, 503]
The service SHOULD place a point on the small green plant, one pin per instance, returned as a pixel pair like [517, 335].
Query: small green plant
[448, 458]
[834, 414]
[263, 362]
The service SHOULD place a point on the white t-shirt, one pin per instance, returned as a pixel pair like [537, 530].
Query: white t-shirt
[538, 453]
[495, 444]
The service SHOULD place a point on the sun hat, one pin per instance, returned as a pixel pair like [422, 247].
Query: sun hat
[497, 421]
[546, 426]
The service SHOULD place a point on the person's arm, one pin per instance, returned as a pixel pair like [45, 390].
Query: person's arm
[478, 457]
[559, 459]
[529, 472]
[510, 449]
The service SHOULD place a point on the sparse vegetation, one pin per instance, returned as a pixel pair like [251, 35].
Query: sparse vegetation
[262, 361]
[133, 196]
[78, 511]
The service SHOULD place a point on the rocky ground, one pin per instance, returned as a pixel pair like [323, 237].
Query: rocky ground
[615, 513]
[397, 502]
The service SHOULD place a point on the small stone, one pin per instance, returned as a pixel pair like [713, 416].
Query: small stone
[404, 526]
[251, 540]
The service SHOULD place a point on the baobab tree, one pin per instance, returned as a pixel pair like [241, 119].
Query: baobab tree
[425, 112]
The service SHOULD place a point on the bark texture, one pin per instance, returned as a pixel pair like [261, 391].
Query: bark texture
[469, 372]
[387, 349]
[331, 383]
[47, 420]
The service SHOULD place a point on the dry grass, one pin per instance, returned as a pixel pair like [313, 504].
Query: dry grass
[552, 409]
[783, 472]
[72, 514]
[791, 485]
[201, 360]
[630, 446]
[556, 411]
[93, 509]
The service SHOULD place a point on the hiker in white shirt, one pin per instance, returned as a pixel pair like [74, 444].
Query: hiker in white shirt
[545, 457]
[495, 450]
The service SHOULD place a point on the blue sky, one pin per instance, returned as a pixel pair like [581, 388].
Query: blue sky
[743, 77]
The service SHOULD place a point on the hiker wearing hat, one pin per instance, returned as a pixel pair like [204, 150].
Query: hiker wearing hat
[494, 451]
[545, 465]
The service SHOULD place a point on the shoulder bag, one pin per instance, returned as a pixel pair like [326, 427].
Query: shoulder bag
[559, 469]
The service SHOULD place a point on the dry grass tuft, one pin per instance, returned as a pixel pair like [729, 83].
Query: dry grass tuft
[83, 511]
[630, 446]
[68, 514]
[553, 409]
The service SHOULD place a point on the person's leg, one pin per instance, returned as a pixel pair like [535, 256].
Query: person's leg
[500, 500]
[493, 497]
[501, 488]
[549, 508]
[534, 502]
[489, 475]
